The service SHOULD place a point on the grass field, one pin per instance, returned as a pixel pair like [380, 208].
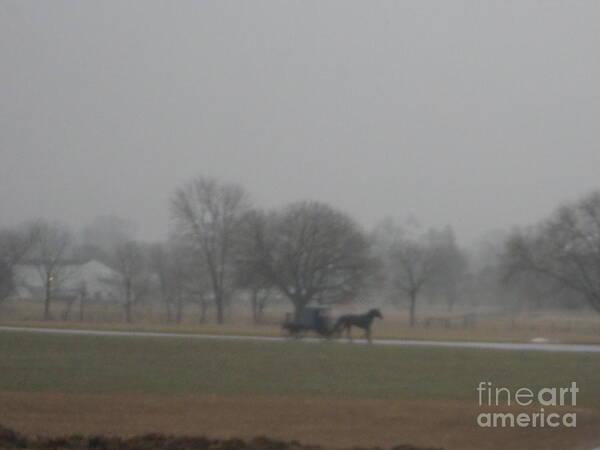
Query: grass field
[330, 393]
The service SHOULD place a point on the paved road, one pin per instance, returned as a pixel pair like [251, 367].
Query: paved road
[454, 344]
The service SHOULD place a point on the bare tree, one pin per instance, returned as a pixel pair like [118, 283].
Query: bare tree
[179, 280]
[260, 295]
[310, 251]
[249, 277]
[413, 260]
[129, 264]
[161, 264]
[15, 244]
[451, 268]
[565, 249]
[259, 288]
[197, 285]
[208, 215]
[50, 253]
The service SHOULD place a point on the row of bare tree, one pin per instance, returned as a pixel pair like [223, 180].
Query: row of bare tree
[560, 255]
[222, 247]
[47, 242]
[305, 251]
[309, 251]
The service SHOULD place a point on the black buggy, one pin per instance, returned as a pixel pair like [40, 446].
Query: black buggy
[311, 319]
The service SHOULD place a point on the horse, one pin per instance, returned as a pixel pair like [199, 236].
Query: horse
[363, 321]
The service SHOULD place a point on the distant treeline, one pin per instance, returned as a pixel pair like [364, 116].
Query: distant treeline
[223, 250]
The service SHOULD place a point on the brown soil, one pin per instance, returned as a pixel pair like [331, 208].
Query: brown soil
[314, 421]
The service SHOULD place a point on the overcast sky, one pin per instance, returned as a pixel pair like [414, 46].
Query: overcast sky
[482, 115]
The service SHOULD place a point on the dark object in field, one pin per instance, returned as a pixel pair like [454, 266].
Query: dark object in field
[363, 321]
[10, 439]
[311, 318]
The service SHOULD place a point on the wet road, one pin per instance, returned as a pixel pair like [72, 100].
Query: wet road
[595, 348]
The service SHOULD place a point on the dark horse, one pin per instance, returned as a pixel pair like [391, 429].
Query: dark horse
[363, 321]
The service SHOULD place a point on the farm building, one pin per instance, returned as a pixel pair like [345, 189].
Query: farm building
[92, 278]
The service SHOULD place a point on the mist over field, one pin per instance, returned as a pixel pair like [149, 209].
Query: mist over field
[457, 122]
[477, 116]
[204, 205]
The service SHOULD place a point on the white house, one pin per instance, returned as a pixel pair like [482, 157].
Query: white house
[92, 278]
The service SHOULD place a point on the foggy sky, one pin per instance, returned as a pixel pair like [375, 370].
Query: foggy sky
[482, 115]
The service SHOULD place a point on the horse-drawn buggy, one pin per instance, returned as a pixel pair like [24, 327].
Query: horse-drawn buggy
[318, 320]
[315, 319]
